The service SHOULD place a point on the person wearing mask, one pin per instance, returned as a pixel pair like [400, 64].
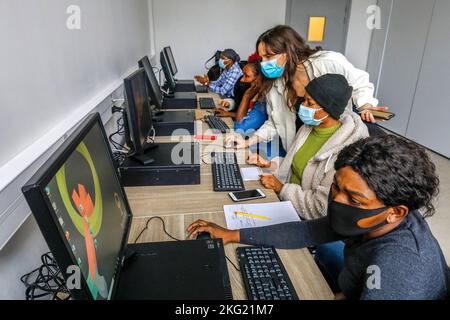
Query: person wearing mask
[382, 192]
[305, 175]
[251, 114]
[229, 63]
[289, 64]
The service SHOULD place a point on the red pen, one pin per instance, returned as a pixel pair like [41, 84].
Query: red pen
[209, 138]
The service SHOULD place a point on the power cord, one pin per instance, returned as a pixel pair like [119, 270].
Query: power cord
[172, 237]
[46, 280]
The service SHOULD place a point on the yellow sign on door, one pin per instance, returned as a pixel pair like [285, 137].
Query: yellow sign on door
[316, 32]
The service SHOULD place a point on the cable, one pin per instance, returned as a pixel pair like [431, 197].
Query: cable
[234, 266]
[146, 227]
[170, 236]
[47, 282]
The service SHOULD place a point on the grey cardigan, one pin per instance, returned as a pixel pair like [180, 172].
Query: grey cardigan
[311, 197]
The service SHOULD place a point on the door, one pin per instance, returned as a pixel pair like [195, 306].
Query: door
[396, 55]
[320, 22]
[428, 123]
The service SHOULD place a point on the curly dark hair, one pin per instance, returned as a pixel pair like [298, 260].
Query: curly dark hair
[399, 171]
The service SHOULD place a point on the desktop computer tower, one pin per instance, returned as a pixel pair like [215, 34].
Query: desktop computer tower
[185, 86]
[175, 164]
[181, 100]
[171, 121]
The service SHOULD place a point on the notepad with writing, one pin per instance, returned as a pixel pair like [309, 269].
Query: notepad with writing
[244, 216]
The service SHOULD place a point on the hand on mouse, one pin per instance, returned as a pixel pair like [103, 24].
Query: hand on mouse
[236, 141]
[216, 232]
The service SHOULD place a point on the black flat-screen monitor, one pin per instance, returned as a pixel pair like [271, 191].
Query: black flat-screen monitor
[171, 59]
[164, 60]
[139, 114]
[82, 211]
[153, 87]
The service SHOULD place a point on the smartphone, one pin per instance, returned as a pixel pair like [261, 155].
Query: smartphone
[384, 115]
[246, 195]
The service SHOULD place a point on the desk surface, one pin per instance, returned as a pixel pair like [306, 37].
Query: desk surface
[179, 206]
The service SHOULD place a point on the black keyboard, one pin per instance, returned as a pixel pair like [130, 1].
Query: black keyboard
[264, 275]
[207, 103]
[201, 89]
[226, 173]
[217, 124]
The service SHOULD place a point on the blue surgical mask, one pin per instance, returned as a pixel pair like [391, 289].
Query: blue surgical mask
[222, 64]
[307, 116]
[271, 69]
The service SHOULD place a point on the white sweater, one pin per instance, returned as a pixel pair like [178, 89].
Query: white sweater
[282, 120]
[311, 197]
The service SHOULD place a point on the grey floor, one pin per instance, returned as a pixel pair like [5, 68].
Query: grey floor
[440, 222]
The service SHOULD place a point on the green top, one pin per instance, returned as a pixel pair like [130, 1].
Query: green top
[312, 145]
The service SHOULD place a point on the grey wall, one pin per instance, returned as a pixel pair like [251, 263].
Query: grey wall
[48, 70]
[359, 35]
[196, 28]
[409, 63]
[428, 123]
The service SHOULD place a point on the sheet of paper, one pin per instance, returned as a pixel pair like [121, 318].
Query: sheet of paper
[244, 216]
[251, 174]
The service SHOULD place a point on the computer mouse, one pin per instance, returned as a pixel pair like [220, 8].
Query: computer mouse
[203, 236]
[231, 145]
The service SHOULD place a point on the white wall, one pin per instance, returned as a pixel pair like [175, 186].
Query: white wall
[359, 36]
[196, 28]
[51, 78]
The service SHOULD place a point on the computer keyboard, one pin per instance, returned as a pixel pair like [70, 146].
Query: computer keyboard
[226, 173]
[201, 89]
[217, 124]
[207, 103]
[264, 275]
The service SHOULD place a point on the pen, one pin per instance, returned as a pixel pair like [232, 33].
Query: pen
[244, 214]
[209, 138]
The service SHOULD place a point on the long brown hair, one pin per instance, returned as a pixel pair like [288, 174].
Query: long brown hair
[284, 39]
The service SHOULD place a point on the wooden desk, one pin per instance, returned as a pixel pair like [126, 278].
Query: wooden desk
[179, 206]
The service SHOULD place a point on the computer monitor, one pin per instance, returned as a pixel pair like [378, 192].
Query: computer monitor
[165, 64]
[82, 211]
[153, 87]
[139, 116]
[171, 59]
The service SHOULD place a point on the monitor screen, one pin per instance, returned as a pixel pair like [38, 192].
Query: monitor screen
[167, 72]
[153, 87]
[85, 201]
[172, 63]
[138, 111]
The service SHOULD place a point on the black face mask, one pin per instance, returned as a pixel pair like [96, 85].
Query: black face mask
[243, 86]
[344, 219]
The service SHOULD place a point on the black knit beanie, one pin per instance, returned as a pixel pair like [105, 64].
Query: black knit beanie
[332, 92]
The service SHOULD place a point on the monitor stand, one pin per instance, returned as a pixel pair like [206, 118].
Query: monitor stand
[146, 159]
